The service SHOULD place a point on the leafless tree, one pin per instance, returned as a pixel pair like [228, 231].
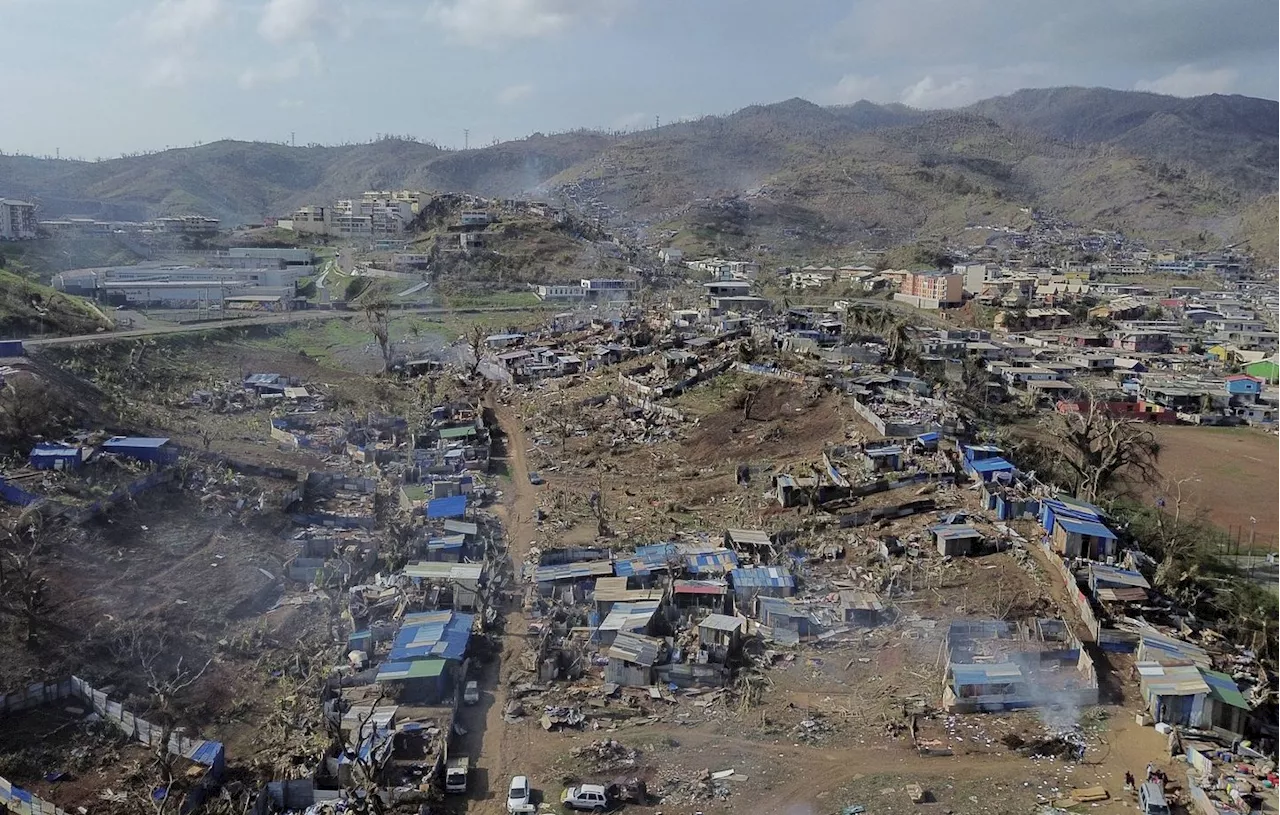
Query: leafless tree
[149, 651]
[24, 585]
[377, 317]
[1095, 449]
[475, 341]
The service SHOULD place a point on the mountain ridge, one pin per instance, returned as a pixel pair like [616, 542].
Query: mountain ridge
[1209, 157]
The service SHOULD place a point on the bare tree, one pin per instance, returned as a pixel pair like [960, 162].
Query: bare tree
[475, 340]
[378, 318]
[1094, 449]
[24, 586]
[148, 649]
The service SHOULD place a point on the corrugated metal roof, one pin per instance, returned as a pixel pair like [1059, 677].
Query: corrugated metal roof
[453, 506]
[722, 622]
[433, 570]
[630, 616]
[436, 635]
[1079, 526]
[751, 537]
[1223, 688]
[990, 465]
[861, 600]
[1171, 680]
[461, 527]
[717, 562]
[762, 577]
[582, 570]
[1102, 574]
[635, 648]
[417, 669]
[954, 531]
[457, 432]
[701, 587]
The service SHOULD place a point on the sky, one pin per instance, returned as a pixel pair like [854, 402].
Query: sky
[98, 78]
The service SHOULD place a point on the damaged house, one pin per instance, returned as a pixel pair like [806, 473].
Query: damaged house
[1000, 665]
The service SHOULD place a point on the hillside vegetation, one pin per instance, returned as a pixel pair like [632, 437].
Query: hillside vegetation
[809, 176]
[30, 309]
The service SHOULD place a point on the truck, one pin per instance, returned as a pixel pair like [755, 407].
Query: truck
[455, 774]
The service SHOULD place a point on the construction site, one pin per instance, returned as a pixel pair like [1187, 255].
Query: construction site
[684, 563]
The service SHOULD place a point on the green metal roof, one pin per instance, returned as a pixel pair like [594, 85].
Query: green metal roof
[457, 432]
[1223, 689]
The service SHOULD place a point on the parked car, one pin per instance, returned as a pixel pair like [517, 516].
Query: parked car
[587, 797]
[519, 796]
[471, 693]
[535, 479]
[455, 774]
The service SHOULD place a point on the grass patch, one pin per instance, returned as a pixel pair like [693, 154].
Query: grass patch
[28, 308]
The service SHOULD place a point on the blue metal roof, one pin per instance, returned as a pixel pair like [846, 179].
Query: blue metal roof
[454, 506]
[1079, 526]
[760, 577]
[990, 465]
[649, 558]
[580, 570]
[442, 634]
[928, 437]
[719, 561]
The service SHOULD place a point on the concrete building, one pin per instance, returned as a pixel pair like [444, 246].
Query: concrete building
[945, 287]
[188, 225]
[17, 220]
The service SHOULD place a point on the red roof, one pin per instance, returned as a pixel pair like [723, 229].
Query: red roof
[1238, 377]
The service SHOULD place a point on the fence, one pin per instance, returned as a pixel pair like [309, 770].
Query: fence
[210, 754]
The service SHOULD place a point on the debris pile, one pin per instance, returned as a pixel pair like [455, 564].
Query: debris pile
[607, 755]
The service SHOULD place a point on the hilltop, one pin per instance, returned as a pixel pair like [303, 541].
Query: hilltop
[792, 173]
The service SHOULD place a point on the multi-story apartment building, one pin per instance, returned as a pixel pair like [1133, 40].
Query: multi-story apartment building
[17, 220]
[944, 288]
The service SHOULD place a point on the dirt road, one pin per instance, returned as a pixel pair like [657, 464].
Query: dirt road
[498, 748]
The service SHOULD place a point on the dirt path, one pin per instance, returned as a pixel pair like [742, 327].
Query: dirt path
[500, 752]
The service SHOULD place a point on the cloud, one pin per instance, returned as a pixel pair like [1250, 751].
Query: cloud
[167, 71]
[171, 21]
[929, 93]
[286, 20]
[305, 60]
[515, 93]
[1188, 80]
[491, 22]
[853, 88]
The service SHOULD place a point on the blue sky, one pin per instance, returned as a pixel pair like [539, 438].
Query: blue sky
[102, 77]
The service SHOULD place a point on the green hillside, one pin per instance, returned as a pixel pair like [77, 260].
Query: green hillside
[28, 309]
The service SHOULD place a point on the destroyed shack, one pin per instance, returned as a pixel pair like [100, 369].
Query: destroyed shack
[999, 665]
[883, 459]
[721, 636]
[761, 581]
[447, 585]
[138, 448]
[631, 659]
[634, 617]
[611, 590]
[1188, 695]
[58, 456]
[1076, 530]
[862, 608]
[956, 540]
[701, 596]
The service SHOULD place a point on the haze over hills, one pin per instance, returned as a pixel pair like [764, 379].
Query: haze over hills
[792, 172]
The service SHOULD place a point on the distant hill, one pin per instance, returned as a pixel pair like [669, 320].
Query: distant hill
[794, 175]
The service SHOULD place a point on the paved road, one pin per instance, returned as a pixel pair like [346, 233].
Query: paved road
[270, 319]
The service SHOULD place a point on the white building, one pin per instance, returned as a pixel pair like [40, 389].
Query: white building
[671, 255]
[17, 220]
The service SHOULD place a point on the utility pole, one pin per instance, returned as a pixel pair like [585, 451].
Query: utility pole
[466, 139]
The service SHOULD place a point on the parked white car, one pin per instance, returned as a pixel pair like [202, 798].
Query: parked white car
[519, 796]
[471, 693]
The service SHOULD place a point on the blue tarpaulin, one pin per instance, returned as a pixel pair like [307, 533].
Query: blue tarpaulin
[455, 506]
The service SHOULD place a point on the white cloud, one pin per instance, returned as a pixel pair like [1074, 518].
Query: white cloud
[929, 93]
[285, 20]
[306, 59]
[853, 88]
[167, 71]
[515, 93]
[1188, 80]
[489, 22]
[173, 21]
